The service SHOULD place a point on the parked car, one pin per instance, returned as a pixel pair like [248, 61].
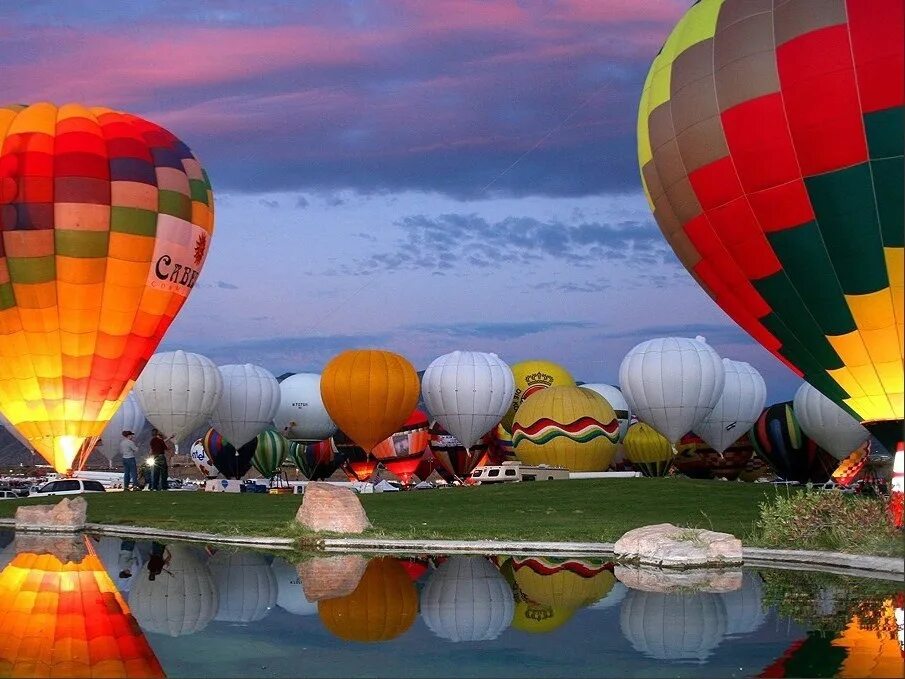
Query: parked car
[8, 495]
[70, 487]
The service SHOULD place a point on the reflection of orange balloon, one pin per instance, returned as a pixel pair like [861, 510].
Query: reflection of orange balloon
[369, 393]
[68, 620]
[382, 607]
[106, 221]
[872, 649]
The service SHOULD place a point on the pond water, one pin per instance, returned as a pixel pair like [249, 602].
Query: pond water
[103, 606]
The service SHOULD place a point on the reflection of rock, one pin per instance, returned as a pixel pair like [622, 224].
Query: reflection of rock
[66, 515]
[673, 626]
[326, 507]
[466, 599]
[290, 596]
[664, 544]
[66, 548]
[246, 585]
[383, 605]
[744, 607]
[651, 579]
[328, 577]
[181, 600]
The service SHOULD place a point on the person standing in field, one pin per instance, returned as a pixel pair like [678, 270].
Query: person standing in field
[127, 449]
[160, 451]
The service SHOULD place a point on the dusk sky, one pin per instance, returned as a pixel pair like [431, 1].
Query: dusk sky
[419, 176]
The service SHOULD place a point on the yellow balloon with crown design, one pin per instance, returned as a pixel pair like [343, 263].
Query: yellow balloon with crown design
[531, 377]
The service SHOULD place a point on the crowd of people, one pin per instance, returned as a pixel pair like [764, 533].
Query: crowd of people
[160, 452]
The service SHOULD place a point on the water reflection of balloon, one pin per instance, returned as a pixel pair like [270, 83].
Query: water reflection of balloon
[119, 556]
[290, 595]
[246, 584]
[181, 601]
[744, 606]
[466, 599]
[563, 583]
[382, 606]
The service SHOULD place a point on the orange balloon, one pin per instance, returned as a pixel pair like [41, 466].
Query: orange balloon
[382, 607]
[369, 394]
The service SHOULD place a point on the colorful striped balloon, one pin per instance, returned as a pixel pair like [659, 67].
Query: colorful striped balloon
[770, 140]
[106, 221]
[316, 460]
[270, 452]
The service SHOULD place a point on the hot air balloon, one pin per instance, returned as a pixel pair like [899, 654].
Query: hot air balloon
[301, 415]
[382, 606]
[178, 391]
[202, 459]
[129, 417]
[672, 383]
[369, 393]
[531, 377]
[270, 452]
[563, 583]
[401, 453]
[63, 617]
[770, 140]
[613, 396]
[317, 460]
[466, 599]
[737, 408]
[250, 398]
[566, 426]
[354, 460]
[648, 450]
[290, 595]
[831, 427]
[232, 463]
[468, 392]
[179, 602]
[695, 459]
[247, 586]
[107, 220]
[455, 461]
[778, 439]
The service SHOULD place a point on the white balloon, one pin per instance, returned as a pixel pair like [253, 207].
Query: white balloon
[250, 398]
[744, 606]
[673, 626]
[468, 392]
[467, 599]
[178, 391]
[247, 586]
[181, 600]
[301, 415]
[830, 426]
[290, 595]
[737, 408]
[131, 417]
[672, 383]
[616, 399]
[203, 461]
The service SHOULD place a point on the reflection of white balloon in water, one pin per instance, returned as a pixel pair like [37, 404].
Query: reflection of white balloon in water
[247, 586]
[129, 417]
[744, 606]
[467, 599]
[118, 556]
[250, 398]
[468, 392]
[613, 598]
[737, 408]
[290, 596]
[301, 415]
[181, 600]
[673, 626]
[672, 383]
[830, 426]
[178, 391]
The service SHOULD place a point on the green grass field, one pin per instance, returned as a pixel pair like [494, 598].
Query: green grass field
[581, 510]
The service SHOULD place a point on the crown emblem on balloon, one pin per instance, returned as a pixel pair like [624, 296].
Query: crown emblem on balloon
[200, 244]
[539, 378]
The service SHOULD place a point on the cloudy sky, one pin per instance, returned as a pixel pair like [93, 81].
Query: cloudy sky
[410, 175]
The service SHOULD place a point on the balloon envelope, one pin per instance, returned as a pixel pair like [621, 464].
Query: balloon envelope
[738, 407]
[202, 460]
[129, 417]
[616, 399]
[778, 439]
[231, 463]
[107, 220]
[248, 403]
[301, 415]
[453, 459]
[834, 430]
[316, 460]
[529, 378]
[648, 450]
[246, 584]
[771, 152]
[270, 451]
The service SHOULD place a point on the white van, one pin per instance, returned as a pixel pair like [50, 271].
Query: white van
[69, 487]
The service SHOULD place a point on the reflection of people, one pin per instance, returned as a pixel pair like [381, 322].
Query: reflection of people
[127, 449]
[160, 452]
[128, 563]
[158, 561]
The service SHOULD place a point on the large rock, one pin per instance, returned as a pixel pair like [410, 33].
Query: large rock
[67, 515]
[330, 577]
[66, 548]
[326, 507]
[670, 546]
[648, 579]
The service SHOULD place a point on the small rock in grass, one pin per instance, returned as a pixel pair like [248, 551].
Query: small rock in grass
[326, 507]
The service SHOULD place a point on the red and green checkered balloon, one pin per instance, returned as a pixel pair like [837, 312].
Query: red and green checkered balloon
[770, 139]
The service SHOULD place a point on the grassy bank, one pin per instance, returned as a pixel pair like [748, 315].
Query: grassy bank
[581, 510]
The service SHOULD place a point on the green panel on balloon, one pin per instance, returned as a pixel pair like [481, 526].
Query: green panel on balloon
[808, 267]
[74, 243]
[175, 204]
[199, 190]
[7, 298]
[133, 220]
[889, 184]
[885, 132]
[26, 270]
[846, 212]
[783, 298]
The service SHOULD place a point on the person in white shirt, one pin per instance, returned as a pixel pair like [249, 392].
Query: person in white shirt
[127, 449]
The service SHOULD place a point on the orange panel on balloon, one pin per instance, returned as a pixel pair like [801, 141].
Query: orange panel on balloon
[106, 222]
